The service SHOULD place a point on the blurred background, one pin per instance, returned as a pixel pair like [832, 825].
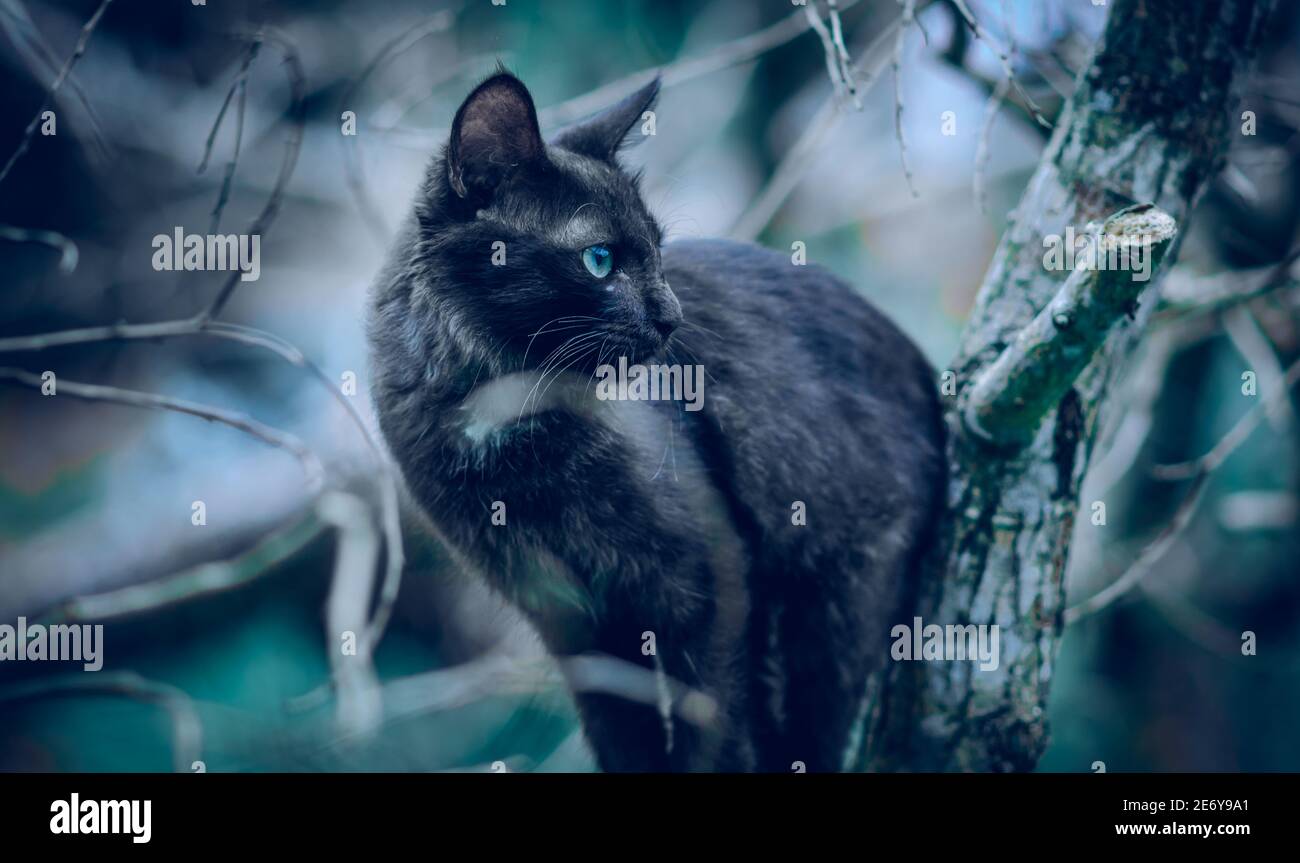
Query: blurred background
[233, 114]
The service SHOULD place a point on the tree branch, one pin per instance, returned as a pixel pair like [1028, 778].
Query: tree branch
[1008, 401]
[83, 40]
[311, 466]
[292, 146]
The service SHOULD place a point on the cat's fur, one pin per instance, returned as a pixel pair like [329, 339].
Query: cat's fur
[626, 518]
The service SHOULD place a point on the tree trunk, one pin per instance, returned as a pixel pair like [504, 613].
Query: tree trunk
[1149, 123]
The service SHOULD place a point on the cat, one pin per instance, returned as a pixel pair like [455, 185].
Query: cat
[754, 550]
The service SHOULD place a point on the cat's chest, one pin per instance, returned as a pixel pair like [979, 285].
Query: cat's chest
[651, 429]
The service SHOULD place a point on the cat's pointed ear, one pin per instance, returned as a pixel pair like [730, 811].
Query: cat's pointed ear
[495, 132]
[603, 135]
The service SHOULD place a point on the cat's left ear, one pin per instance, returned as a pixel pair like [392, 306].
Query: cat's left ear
[602, 136]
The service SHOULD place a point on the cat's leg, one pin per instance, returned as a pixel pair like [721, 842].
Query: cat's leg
[629, 572]
[832, 627]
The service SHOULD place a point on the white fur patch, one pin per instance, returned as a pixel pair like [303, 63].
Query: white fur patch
[505, 401]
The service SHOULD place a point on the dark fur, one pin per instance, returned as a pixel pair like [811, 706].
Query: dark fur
[665, 521]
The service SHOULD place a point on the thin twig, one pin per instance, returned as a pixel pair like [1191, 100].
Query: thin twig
[239, 87]
[352, 165]
[799, 158]
[1004, 57]
[999, 94]
[1146, 559]
[358, 704]
[311, 465]
[498, 674]
[724, 56]
[187, 730]
[1186, 294]
[23, 33]
[250, 54]
[828, 48]
[840, 75]
[198, 582]
[390, 515]
[66, 248]
[845, 62]
[1118, 451]
[1235, 437]
[83, 40]
[1254, 346]
[909, 15]
[293, 144]
[390, 113]
[980, 179]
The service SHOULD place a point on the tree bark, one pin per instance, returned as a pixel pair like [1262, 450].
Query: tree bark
[1149, 123]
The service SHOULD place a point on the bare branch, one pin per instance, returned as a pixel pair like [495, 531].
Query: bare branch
[980, 179]
[87, 30]
[1008, 401]
[22, 32]
[240, 87]
[1235, 437]
[353, 171]
[1255, 348]
[724, 56]
[198, 582]
[1183, 294]
[292, 146]
[838, 65]
[845, 63]
[187, 730]
[1142, 565]
[67, 249]
[795, 163]
[250, 54]
[133, 398]
[828, 47]
[996, 98]
[1004, 56]
[359, 706]
[499, 674]
[909, 15]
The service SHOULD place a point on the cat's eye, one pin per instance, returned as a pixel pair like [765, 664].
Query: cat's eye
[598, 260]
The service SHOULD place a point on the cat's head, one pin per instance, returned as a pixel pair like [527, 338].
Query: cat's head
[546, 250]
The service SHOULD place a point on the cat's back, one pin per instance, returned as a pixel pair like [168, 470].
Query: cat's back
[812, 393]
[747, 305]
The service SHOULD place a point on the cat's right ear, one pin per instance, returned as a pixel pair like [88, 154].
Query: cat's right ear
[495, 133]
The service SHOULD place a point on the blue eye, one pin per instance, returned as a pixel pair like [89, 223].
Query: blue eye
[598, 260]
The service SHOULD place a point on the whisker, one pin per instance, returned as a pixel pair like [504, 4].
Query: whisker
[587, 351]
[560, 353]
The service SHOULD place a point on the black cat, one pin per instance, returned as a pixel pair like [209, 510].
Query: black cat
[755, 549]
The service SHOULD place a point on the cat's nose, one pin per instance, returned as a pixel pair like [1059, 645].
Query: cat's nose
[667, 311]
[667, 326]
